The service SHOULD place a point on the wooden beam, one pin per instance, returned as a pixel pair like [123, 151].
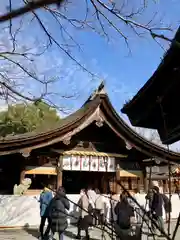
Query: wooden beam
[89, 153]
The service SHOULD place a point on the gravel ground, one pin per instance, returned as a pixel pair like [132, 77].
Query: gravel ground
[95, 234]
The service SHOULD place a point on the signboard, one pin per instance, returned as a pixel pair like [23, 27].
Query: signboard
[76, 163]
[89, 163]
[111, 164]
[67, 163]
[94, 164]
[102, 164]
[85, 163]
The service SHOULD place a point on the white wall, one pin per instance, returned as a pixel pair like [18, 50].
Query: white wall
[21, 211]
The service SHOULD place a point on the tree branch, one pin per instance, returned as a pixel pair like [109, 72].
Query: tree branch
[33, 5]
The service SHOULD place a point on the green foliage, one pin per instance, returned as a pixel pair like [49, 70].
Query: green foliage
[22, 118]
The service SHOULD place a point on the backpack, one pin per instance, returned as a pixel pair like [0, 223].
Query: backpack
[90, 207]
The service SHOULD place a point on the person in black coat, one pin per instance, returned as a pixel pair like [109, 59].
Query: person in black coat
[157, 209]
[58, 212]
[124, 212]
[167, 206]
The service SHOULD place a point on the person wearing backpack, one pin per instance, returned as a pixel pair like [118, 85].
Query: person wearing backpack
[58, 212]
[99, 208]
[85, 210]
[124, 212]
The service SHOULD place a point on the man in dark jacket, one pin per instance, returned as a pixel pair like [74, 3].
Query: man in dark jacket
[58, 212]
[124, 212]
[157, 209]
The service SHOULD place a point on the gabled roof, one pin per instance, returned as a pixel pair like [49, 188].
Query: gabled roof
[98, 107]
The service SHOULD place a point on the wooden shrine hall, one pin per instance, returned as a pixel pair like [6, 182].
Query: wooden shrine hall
[155, 104]
[92, 146]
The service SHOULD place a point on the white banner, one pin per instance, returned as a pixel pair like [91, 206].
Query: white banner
[111, 165]
[102, 165]
[89, 163]
[76, 163]
[85, 163]
[67, 163]
[94, 164]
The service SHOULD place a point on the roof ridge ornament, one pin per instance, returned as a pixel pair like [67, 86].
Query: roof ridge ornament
[99, 119]
[25, 153]
[128, 145]
[67, 140]
[99, 91]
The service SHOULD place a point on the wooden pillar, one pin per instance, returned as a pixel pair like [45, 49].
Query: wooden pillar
[145, 180]
[145, 183]
[118, 178]
[138, 183]
[166, 186]
[59, 171]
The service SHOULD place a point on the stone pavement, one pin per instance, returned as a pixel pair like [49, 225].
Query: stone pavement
[95, 234]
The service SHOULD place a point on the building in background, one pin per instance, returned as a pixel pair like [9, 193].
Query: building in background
[160, 175]
[92, 146]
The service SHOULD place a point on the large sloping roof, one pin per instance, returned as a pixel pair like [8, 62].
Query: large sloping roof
[98, 100]
[155, 104]
[29, 140]
[158, 82]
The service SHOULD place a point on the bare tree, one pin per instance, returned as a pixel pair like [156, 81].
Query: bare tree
[150, 134]
[106, 18]
[153, 136]
[23, 72]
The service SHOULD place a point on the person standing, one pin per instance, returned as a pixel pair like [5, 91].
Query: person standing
[91, 195]
[157, 210]
[167, 207]
[58, 213]
[149, 198]
[45, 199]
[124, 212]
[99, 208]
[137, 208]
[82, 192]
[85, 219]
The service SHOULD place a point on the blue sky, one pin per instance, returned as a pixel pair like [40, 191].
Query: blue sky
[123, 73]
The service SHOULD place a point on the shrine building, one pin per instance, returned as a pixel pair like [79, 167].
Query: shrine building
[92, 146]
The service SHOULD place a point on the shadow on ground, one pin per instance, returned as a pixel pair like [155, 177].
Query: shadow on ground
[33, 232]
[69, 234]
